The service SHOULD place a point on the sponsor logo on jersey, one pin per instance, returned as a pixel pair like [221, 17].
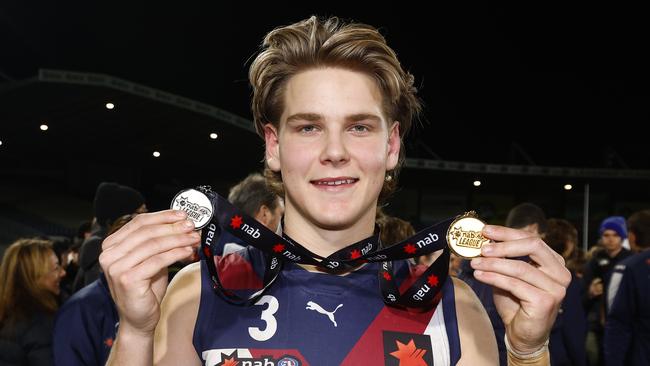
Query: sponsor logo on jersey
[407, 349]
[249, 357]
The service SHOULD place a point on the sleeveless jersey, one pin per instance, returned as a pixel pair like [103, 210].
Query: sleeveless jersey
[308, 318]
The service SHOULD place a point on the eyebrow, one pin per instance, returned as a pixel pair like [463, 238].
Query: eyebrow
[313, 117]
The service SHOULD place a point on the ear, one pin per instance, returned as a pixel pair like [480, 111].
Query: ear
[394, 146]
[263, 215]
[272, 154]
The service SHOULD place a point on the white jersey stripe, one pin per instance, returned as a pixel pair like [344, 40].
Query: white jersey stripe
[437, 331]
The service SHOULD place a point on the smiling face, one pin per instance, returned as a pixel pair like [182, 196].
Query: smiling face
[52, 278]
[333, 148]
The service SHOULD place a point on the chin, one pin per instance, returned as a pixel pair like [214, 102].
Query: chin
[333, 221]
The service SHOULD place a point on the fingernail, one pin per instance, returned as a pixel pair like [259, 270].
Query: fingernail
[180, 213]
[487, 229]
[476, 262]
[195, 235]
[478, 272]
[487, 249]
[188, 224]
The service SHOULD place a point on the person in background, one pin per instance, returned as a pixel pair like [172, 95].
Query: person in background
[68, 255]
[85, 230]
[393, 229]
[568, 242]
[569, 333]
[253, 196]
[112, 200]
[627, 329]
[86, 325]
[29, 288]
[597, 273]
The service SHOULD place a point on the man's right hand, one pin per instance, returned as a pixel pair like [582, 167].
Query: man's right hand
[135, 261]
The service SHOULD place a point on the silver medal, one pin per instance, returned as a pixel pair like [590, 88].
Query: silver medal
[197, 206]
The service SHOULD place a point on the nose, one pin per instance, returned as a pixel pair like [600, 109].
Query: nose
[334, 151]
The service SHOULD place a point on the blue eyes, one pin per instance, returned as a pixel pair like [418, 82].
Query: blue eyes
[360, 128]
[308, 128]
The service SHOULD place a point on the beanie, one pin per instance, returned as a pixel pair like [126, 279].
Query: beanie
[113, 200]
[616, 223]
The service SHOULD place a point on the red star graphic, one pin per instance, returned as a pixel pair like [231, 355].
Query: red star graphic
[236, 222]
[108, 342]
[231, 361]
[386, 276]
[409, 355]
[432, 280]
[206, 251]
[355, 254]
[409, 248]
[278, 248]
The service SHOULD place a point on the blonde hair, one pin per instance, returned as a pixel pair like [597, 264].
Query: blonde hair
[24, 263]
[315, 43]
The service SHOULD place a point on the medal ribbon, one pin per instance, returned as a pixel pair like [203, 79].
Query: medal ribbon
[279, 249]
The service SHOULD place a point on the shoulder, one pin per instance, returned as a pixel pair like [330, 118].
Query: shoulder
[184, 288]
[89, 293]
[478, 343]
[637, 260]
[91, 303]
[632, 262]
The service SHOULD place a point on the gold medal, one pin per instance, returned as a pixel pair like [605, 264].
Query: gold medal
[464, 236]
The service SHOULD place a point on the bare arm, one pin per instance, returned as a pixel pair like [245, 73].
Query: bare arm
[179, 309]
[477, 342]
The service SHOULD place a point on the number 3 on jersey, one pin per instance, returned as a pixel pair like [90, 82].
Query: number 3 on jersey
[267, 316]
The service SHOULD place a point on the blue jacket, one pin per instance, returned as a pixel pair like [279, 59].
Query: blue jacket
[627, 330]
[569, 332]
[85, 326]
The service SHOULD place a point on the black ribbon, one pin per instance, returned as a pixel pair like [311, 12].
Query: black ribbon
[420, 294]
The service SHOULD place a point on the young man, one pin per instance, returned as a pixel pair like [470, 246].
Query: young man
[597, 273]
[332, 103]
[627, 330]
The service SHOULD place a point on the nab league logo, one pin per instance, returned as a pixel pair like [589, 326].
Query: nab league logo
[245, 357]
[196, 205]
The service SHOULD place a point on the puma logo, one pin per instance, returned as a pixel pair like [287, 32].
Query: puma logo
[314, 306]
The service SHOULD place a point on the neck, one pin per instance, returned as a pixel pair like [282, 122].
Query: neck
[324, 241]
[614, 252]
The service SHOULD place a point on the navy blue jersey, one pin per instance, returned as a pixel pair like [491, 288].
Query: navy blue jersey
[627, 331]
[86, 326]
[309, 318]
